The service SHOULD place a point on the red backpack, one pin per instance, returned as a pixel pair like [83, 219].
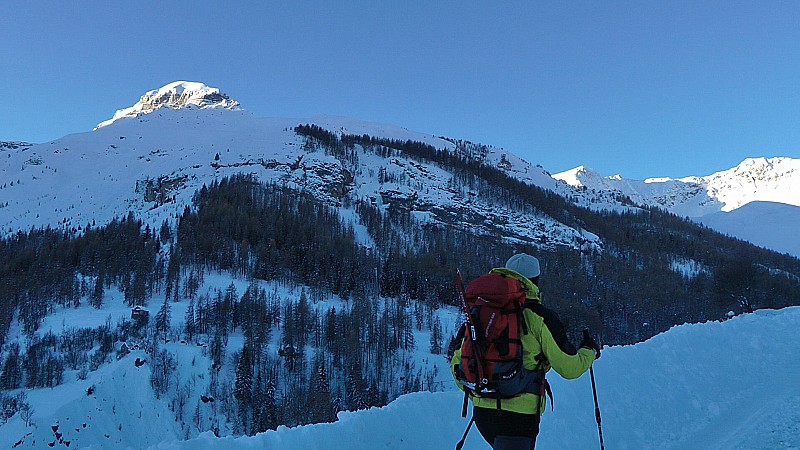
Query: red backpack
[491, 351]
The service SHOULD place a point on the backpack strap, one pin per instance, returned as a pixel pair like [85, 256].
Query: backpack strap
[522, 322]
[541, 360]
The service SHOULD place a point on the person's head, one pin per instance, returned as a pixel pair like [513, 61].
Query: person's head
[525, 265]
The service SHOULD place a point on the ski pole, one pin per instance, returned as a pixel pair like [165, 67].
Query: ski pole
[464, 438]
[596, 408]
[587, 337]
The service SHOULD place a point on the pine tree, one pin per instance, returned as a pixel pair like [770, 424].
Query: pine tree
[243, 387]
[268, 405]
[217, 352]
[189, 321]
[408, 339]
[163, 367]
[11, 377]
[163, 318]
[356, 388]
[319, 393]
[165, 233]
[436, 337]
[96, 299]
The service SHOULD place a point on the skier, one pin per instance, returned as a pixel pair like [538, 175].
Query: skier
[513, 423]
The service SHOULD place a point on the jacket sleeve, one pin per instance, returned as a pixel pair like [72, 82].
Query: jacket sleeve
[454, 362]
[560, 353]
[455, 349]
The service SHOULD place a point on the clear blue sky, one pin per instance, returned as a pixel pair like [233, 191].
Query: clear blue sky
[641, 88]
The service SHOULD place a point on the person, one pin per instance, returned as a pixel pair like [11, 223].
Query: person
[513, 423]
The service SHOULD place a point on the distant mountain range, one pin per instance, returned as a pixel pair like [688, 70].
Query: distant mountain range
[757, 201]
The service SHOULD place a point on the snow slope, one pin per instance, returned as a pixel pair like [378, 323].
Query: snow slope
[115, 405]
[711, 386]
[766, 224]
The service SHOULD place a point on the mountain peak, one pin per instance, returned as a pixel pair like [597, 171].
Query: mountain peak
[176, 95]
[579, 176]
[763, 164]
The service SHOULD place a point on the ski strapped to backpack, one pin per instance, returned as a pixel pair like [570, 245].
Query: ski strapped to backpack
[491, 352]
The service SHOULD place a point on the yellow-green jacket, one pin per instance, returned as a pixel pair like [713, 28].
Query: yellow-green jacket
[546, 336]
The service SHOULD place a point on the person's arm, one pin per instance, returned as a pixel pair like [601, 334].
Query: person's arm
[560, 353]
[455, 349]
[454, 362]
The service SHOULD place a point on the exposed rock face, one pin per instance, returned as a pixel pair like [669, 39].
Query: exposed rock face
[179, 94]
[182, 94]
[11, 145]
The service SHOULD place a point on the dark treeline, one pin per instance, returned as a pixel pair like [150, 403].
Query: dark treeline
[269, 232]
[43, 268]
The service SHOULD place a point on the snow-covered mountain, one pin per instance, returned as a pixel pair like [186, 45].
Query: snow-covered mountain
[152, 157]
[730, 201]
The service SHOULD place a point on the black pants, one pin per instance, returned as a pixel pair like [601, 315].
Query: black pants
[506, 429]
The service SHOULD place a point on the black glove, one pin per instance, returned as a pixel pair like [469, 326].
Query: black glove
[456, 341]
[589, 343]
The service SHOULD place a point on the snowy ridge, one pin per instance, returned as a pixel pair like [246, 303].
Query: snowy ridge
[755, 179]
[185, 135]
[179, 94]
[756, 201]
[681, 197]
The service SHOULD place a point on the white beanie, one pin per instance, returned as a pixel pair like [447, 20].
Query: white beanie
[524, 264]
